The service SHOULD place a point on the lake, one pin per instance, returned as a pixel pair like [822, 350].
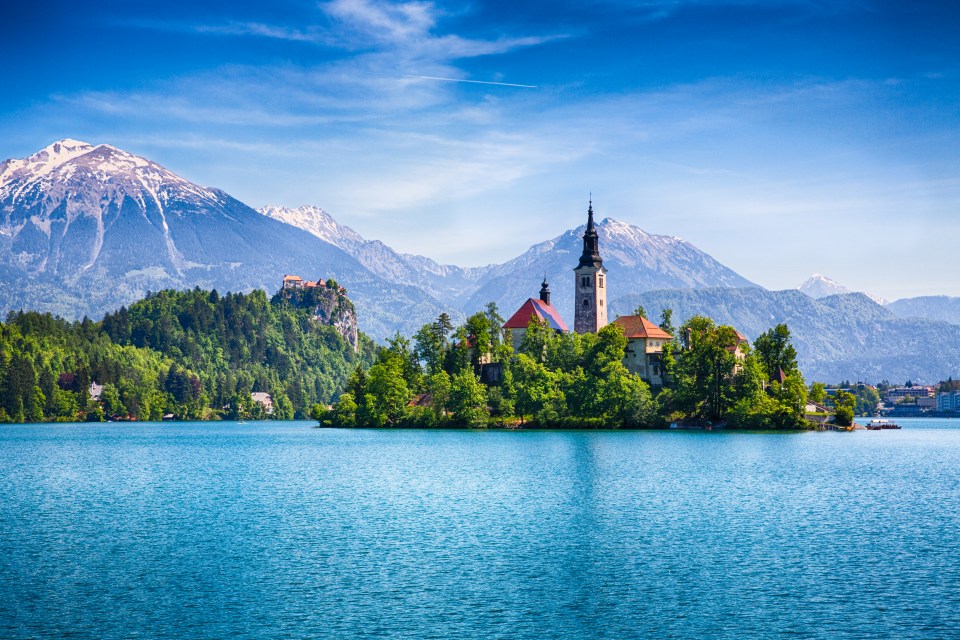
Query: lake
[280, 530]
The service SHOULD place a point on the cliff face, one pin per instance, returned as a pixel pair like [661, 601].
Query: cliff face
[330, 306]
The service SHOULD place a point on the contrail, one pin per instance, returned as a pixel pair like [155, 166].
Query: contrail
[499, 84]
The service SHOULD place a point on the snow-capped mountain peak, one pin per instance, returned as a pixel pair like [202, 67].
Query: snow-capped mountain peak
[316, 221]
[820, 286]
[44, 161]
[72, 189]
[54, 174]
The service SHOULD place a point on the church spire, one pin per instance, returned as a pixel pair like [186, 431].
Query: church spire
[591, 242]
[545, 290]
[590, 293]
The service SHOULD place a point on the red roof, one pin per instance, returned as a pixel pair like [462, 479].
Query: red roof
[536, 308]
[640, 327]
[289, 278]
[741, 339]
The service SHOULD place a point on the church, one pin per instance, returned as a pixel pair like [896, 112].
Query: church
[645, 340]
[590, 276]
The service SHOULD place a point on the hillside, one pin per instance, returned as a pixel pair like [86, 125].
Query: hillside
[837, 337]
[193, 354]
[942, 308]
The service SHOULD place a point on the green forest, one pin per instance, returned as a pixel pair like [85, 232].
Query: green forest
[182, 354]
[470, 376]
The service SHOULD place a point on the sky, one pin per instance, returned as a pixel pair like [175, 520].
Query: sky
[782, 137]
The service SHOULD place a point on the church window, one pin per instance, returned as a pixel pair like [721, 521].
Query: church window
[586, 302]
[601, 282]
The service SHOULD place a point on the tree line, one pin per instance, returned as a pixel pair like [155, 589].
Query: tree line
[471, 376]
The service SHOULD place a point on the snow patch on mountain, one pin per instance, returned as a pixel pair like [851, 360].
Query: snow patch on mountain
[440, 280]
[316, 221]
[820, 286]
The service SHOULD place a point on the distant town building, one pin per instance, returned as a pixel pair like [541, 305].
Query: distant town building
[263, 399]
[897, 394]
[948, 402]
[645, 342]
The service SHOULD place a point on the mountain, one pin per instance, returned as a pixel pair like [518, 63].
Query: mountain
[839, 337]
[85, 229]
[445, 282]
[944, 308]
[820, 286]
[637, 261]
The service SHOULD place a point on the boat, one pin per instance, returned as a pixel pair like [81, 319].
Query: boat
[877, 425]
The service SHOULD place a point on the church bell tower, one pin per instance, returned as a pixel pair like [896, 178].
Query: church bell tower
[590, 314]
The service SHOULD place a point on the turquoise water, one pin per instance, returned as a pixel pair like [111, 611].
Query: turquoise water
[283, 531]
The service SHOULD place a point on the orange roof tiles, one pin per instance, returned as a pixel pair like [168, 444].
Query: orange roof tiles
[640, 327]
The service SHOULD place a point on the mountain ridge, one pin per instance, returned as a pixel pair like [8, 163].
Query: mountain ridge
[838, 337]
[641, 261]
[87, 228]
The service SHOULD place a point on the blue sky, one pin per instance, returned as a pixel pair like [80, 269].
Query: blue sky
[782, 137]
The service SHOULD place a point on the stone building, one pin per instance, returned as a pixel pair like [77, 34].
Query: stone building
[645, 342]
[590, 314]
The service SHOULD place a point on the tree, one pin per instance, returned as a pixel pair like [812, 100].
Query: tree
[496, 323]
[640, 311]
[468, 399]
[666, 321]
[703, 374]
[623, 398]
[818, 392]
[535, 339]
[792, 397]
[843, 405]
[537, 390]
[399, 351]
[868, 399]
[344, 412]
[438, 386]
[110, 399]
[389, 392]
[429, 348]
[479, 339]
[775, 351]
